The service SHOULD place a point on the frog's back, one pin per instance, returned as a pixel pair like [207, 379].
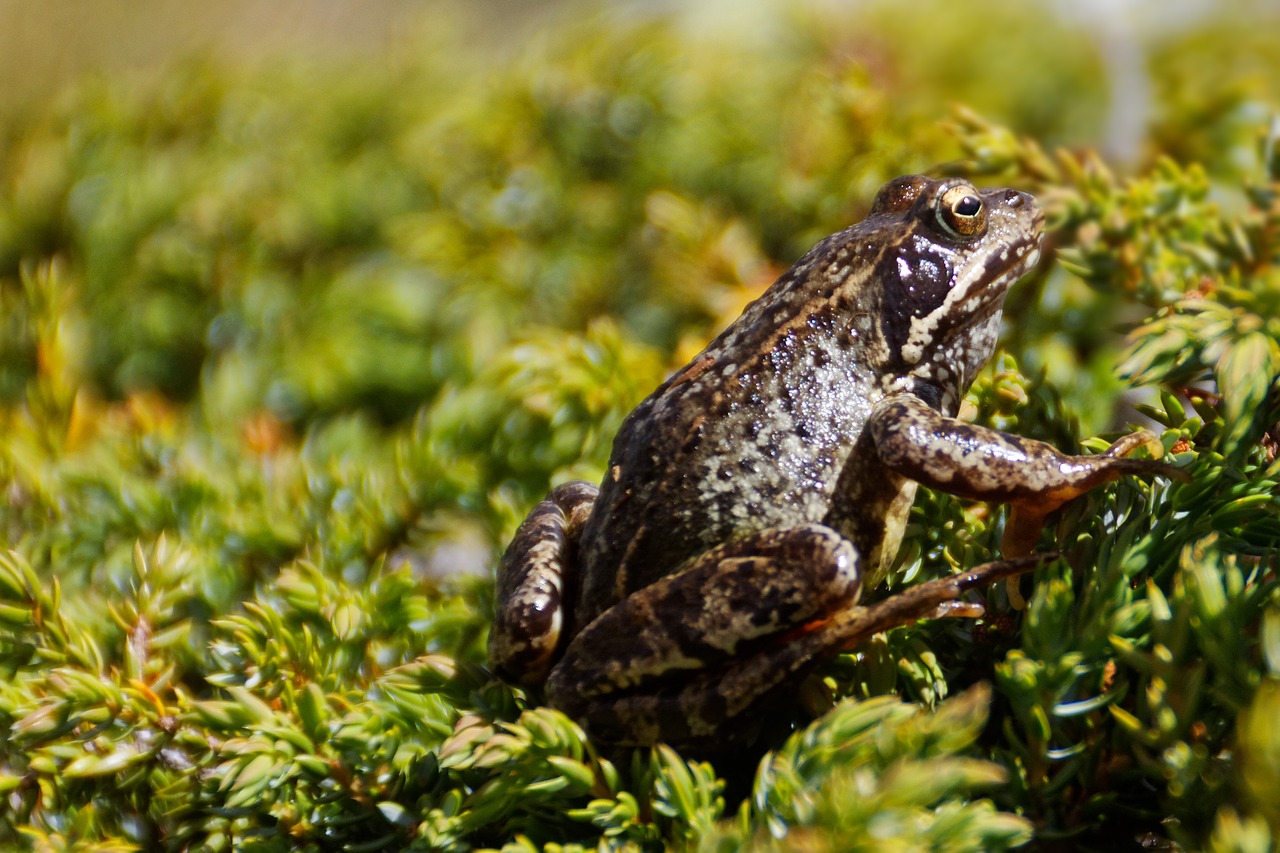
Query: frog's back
[751, 434]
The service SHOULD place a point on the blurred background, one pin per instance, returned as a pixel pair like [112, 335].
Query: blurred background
[652, 163]
[45, 46]
[296, 210]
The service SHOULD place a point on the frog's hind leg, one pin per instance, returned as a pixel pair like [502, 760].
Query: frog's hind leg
[718, 705]
[531, 583]
[636, 673]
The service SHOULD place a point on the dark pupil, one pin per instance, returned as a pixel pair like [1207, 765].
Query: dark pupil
[968, 206]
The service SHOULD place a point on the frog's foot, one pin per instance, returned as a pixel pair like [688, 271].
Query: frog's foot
[931, 600]
[1074, 476]
[531, 582]
[677, 660]
[1071, 477]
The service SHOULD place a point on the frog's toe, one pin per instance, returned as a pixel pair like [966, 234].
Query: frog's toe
[1150, 469]
[1127, 444]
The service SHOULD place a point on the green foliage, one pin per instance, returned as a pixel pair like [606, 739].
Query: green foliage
[287, 351]
[880, 774]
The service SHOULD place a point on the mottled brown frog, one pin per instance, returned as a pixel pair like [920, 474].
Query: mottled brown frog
[751, 496]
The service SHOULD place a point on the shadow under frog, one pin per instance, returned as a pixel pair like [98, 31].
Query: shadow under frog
[750, 498]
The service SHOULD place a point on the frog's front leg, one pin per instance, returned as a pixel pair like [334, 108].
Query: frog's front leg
[532, 577]
[977, 462]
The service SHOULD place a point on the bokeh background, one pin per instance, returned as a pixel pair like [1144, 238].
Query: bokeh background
[302, 207]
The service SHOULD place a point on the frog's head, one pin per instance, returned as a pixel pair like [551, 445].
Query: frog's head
[943, 274]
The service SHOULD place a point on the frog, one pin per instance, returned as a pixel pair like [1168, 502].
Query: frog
[756, 492]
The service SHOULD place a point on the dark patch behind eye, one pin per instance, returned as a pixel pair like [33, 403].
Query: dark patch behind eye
[917, 281]
[921, 279]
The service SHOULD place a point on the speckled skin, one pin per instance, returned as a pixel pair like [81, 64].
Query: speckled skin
[763, 428]
[752, 494]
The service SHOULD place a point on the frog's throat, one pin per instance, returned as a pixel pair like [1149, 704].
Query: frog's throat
[976, 284]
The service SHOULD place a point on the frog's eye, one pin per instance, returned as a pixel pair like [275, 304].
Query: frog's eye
[961, 212]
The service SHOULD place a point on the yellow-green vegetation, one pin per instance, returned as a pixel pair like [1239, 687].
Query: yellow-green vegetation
[286, 351]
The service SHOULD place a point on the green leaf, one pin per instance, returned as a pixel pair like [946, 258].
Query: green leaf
[1245, 374]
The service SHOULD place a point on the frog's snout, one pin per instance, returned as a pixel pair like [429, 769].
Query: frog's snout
[1023, 203]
